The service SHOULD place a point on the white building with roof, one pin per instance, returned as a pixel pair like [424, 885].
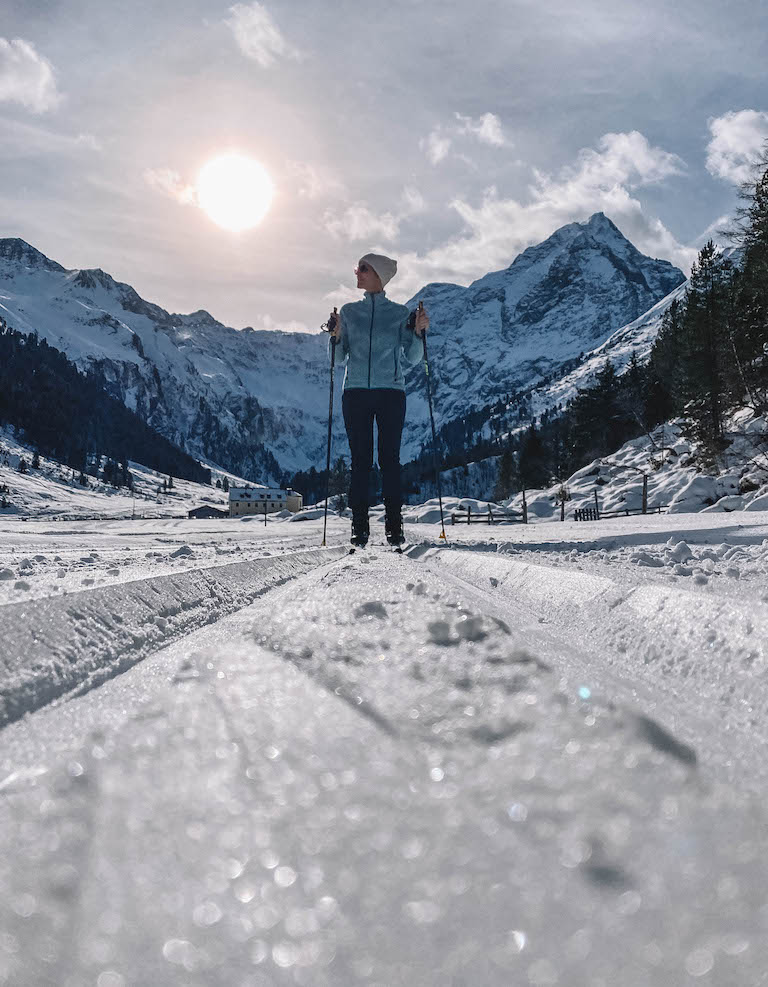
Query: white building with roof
[262, 500]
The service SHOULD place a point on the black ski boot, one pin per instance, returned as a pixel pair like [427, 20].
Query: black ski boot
[360, 530]
[393, 528]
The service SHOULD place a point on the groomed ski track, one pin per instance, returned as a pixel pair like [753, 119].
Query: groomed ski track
[457, 766]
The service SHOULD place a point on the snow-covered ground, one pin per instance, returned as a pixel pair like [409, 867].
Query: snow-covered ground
[676, 479]
[534, 755]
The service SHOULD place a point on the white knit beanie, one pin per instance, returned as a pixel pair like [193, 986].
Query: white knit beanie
[385, 267]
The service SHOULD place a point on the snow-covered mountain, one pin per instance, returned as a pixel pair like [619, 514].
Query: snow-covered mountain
[559, 299]
[256, 401]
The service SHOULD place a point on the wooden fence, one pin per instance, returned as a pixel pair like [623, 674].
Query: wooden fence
[592, 514]
[489, 517]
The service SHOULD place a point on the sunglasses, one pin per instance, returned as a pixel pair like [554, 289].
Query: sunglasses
[363, 268]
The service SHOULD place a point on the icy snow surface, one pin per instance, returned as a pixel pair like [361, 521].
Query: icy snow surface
[534, 756]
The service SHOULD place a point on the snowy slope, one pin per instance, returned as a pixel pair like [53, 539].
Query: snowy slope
[256, 402]
[635, 338]
[675, 479]
[53, 490]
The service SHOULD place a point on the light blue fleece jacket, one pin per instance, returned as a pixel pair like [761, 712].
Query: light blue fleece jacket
[376, 342]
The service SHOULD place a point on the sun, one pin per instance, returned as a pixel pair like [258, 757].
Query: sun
[235, 191]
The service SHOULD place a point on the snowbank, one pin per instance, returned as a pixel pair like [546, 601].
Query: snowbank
[53, 646]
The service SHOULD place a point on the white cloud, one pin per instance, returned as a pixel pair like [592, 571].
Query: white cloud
[436, 146]
[602, 179]
[265, 321]
[486, 128]
[22, 138]
[358, 222]
[311, 183]
[341, 295]
[257, 34]
[27, 77]
[169, 182]
[89, 141]
[737, 144]
[412, 202]
[713, 230]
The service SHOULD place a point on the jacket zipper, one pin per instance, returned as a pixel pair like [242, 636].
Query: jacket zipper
[370, 339]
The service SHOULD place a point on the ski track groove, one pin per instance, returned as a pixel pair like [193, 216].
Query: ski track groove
[624, 651]
[43, 664]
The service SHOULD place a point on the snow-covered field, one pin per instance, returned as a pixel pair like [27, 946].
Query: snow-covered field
[532, 756]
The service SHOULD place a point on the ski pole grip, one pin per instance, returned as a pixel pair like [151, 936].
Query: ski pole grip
[330, 325]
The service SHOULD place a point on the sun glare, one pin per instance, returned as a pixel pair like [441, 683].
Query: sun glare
[235, 191]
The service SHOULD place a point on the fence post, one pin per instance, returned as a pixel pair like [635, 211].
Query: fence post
[645, 493]
[265, 513]
[525, 508]
[469, 515]
[562, 509]
[597, 505]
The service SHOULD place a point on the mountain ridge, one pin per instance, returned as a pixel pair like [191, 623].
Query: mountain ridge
[256, 401]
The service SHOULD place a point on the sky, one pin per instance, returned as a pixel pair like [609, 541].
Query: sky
[449, 137]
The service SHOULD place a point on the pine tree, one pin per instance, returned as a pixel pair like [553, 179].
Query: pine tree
[506, 476]
[533, 464]
[705, 357]
[664, 396]
[749, 332]
[339, 478]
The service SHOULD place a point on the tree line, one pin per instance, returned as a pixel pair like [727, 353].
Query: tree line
[68, 416]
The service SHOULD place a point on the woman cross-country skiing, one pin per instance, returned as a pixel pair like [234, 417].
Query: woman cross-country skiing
[377, 337]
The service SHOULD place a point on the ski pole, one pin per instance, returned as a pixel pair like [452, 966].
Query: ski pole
[330, 325]
[434, 434]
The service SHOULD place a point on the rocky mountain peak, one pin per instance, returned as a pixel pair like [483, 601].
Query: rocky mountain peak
[19, 253]
[94, 278]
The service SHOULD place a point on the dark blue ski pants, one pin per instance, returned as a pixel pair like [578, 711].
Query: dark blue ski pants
[361, 407]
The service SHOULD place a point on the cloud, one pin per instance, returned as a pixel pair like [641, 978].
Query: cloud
[602, 179]
[265, 321]
[341, 295]
[359, 222]
[311, 183]
[714, 229]
[170, 183]
[23, 139]
[257, 35]
[738, 143]
[27, 77]
[486, 129]
[436, 146]
[412, 202]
